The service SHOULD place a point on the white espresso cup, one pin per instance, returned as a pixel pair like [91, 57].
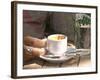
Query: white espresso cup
[57, 44]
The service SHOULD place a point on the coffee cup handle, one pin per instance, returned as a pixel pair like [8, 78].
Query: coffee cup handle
[46, 45]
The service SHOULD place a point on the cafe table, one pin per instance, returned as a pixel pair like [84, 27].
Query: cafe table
[81, 58]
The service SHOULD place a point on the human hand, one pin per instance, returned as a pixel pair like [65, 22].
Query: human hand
[33, 47]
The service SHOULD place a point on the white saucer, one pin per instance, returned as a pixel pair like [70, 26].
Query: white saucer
[58, 59]
[55, 59]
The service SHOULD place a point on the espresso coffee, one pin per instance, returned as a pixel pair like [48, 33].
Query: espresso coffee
[57, 37]
[57, 44]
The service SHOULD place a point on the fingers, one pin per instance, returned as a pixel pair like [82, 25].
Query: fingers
[32, 51]
[38, 51]
[35, 42]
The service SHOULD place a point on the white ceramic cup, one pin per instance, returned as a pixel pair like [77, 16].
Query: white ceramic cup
[57, 47]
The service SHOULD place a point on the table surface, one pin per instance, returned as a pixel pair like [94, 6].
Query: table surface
[81, 59]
